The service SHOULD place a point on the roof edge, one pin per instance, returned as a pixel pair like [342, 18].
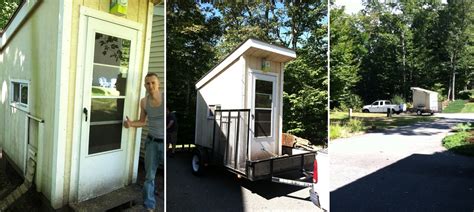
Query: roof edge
[237, 52]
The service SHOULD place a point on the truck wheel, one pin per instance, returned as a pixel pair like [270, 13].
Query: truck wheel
[393, 111]
[432, 113]
[418, 112]
[365, 111]
[197, 163]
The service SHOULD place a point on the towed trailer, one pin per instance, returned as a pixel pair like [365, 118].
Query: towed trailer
[239, 117]
[230, 149]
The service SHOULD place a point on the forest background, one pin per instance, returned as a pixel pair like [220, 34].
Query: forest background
[386, 48]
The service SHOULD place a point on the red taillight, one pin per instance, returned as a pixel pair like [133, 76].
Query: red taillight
[315, 171]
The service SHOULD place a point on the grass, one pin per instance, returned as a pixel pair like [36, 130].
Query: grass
[341, 126]
[468, 108]
[458, 143]
[455, 106]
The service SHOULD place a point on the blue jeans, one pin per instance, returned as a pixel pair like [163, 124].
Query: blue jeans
[153, 157]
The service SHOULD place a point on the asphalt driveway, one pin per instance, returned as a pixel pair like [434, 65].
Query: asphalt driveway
[402, 169]
[220, 190]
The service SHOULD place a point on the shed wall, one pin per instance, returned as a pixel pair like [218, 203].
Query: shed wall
[227, 90]
[31, 55]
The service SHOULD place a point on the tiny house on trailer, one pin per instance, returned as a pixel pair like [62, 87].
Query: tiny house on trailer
[425, 101]
[239, 114]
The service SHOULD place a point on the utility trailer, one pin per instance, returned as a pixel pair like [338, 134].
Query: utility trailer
[425, 101]
[230, 149]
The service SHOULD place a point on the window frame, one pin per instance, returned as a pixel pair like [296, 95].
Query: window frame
[18, 104]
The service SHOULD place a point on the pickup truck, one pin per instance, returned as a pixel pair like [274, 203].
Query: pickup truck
[319, 193]
[381, 106]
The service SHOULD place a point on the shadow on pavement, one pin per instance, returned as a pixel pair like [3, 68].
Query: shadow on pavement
[439, 182]
[419, 128]
[217, 190]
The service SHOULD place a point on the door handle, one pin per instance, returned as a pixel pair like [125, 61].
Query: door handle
[85, 112]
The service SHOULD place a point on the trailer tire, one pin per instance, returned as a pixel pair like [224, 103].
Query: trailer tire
[418, 112]
[197, 163]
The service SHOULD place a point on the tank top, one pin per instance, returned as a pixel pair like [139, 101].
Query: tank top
[156, 120]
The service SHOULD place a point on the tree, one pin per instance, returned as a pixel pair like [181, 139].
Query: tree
[7, 8]
[344, 61]
[191, 37]
[299, 26]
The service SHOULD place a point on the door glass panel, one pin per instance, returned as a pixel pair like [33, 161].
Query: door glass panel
[263, 108]
[106, 109]
[104, 137]
[109, 80]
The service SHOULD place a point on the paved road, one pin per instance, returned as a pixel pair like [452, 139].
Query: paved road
[220, 190]
[402, 169]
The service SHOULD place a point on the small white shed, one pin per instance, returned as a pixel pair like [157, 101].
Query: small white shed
[249, 78]
[426, 99]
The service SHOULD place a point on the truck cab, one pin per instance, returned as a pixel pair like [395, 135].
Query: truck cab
[381, 106]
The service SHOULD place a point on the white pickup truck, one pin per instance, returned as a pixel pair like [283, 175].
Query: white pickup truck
[381, 106]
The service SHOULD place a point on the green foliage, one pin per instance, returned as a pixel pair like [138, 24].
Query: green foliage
[458, 143]
[455, 106]
[355, 125]
[397, 99]
[387, 52]
[465, 95]
[7, 8]
[353, 101]
[198, 35]
[468, 108]
[463, 127]
[191, 38]
[336, 131]
[344, 63]
[438, 87]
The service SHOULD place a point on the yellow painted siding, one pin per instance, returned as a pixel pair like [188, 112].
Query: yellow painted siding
[137, 12]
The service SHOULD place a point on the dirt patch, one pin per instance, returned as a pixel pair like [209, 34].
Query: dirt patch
[470, 139]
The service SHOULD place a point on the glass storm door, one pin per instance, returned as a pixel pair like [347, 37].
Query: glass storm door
[109, 54]
[264, 106]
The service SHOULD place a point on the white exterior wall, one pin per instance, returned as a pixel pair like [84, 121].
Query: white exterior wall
[428, 99]
[226, 89]
[276, 68]
[232, 89]
[31, 55]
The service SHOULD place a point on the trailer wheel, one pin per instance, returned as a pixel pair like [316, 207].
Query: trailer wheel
[197, 163]
[418, 112]
[432, 113]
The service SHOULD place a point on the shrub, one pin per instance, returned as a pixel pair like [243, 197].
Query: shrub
[458, 143]
[398, 99]
[355, 125]
[335, 131]
[439, 87]
[355, 102]
[465, 95]
[463, 127]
